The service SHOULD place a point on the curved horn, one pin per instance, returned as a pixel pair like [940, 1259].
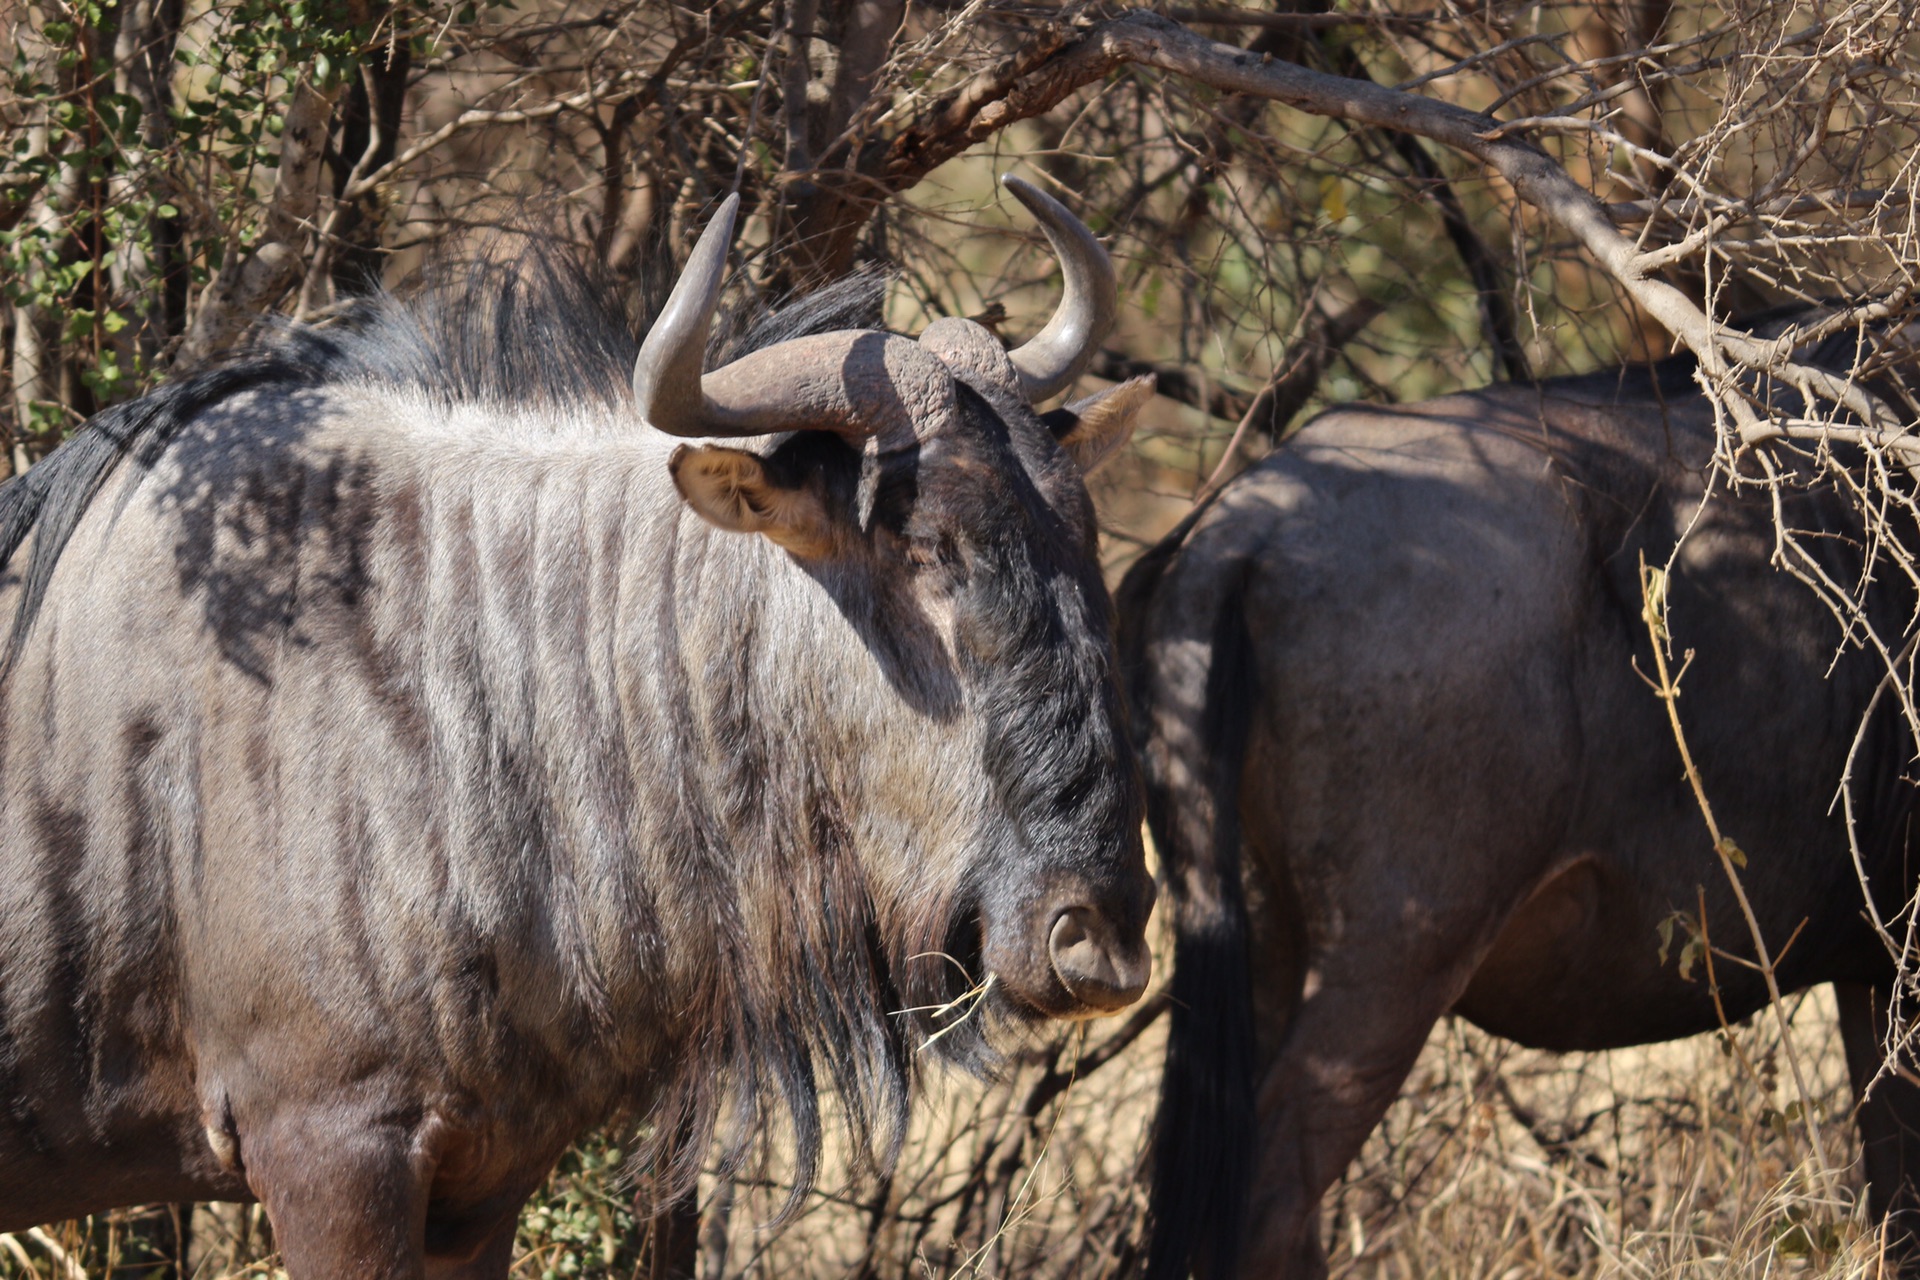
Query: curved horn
[856, 383]
[666, 377]
[1050, 360]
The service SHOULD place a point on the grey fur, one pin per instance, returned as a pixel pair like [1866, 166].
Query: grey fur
[396, 779]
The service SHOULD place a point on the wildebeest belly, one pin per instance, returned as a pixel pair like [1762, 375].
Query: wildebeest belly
[146, 1167]
[1600, 956]
[97, 1101]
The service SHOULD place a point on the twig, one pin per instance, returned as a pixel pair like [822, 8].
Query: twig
[70, 1268]
[1222, 17]
[1294, 384]
[1653, 595]
[1836, 202]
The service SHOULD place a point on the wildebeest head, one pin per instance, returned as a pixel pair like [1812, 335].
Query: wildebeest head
[913, 483]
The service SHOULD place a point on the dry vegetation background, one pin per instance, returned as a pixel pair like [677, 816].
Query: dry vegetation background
[1567, 184]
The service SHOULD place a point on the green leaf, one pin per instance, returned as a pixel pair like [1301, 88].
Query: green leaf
[1733, 852]
[1150, 299]
[1333, 198]
[1690, 956]
[1796, 1236]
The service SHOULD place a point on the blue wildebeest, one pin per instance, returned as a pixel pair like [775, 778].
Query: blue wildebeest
[413, 757]
[1399, 761]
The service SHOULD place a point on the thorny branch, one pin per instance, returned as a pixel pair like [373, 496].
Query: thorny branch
[1666, 686]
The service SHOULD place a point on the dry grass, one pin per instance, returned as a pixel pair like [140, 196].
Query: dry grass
[1496, 1163]
[1663, 1161]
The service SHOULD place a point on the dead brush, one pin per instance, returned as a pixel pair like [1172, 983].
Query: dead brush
[1495, 1163]
[955, 1013]
[1663, 1161]
[1687, 1159]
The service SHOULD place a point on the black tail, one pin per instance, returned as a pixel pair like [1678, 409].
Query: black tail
[1189, 668]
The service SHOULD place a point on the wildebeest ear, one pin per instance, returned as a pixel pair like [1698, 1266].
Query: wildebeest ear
[1091, 430]
[731, 490]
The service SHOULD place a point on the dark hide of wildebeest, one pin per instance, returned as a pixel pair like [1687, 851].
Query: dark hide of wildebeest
[414, 755]
[1400, 762]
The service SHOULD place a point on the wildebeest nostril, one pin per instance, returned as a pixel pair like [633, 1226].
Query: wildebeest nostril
[1094, 966]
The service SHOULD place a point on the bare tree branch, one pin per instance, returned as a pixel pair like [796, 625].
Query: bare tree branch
[1327, 332]
[1151, 40]
[795, 74]
[1822, 202]
[1497, 319]
[1038, 78]
[1220, 17]
[253, 281]
[866, 40]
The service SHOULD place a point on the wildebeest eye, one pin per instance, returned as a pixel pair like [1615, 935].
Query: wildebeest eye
[936, 552]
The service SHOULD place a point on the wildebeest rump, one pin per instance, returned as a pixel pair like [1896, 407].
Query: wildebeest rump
[411, 757]
[1399, 762]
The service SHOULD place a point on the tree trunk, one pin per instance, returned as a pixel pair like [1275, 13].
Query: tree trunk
[250, 283]
[149, 281]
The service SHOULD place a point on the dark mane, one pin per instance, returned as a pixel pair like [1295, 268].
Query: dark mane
[531, 327]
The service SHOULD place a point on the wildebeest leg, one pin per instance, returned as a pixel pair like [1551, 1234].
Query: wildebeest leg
[347, 1197]
[1344, 1058]
[491, 1262]
[1888, 1116]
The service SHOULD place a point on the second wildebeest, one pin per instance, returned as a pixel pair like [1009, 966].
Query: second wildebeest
[1400, 761]
[411, 755]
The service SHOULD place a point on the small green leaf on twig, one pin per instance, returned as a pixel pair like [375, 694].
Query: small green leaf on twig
[1690, 951]
[1732, 852]
[1690, 956]
[1653, 593]
[1333, 198]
